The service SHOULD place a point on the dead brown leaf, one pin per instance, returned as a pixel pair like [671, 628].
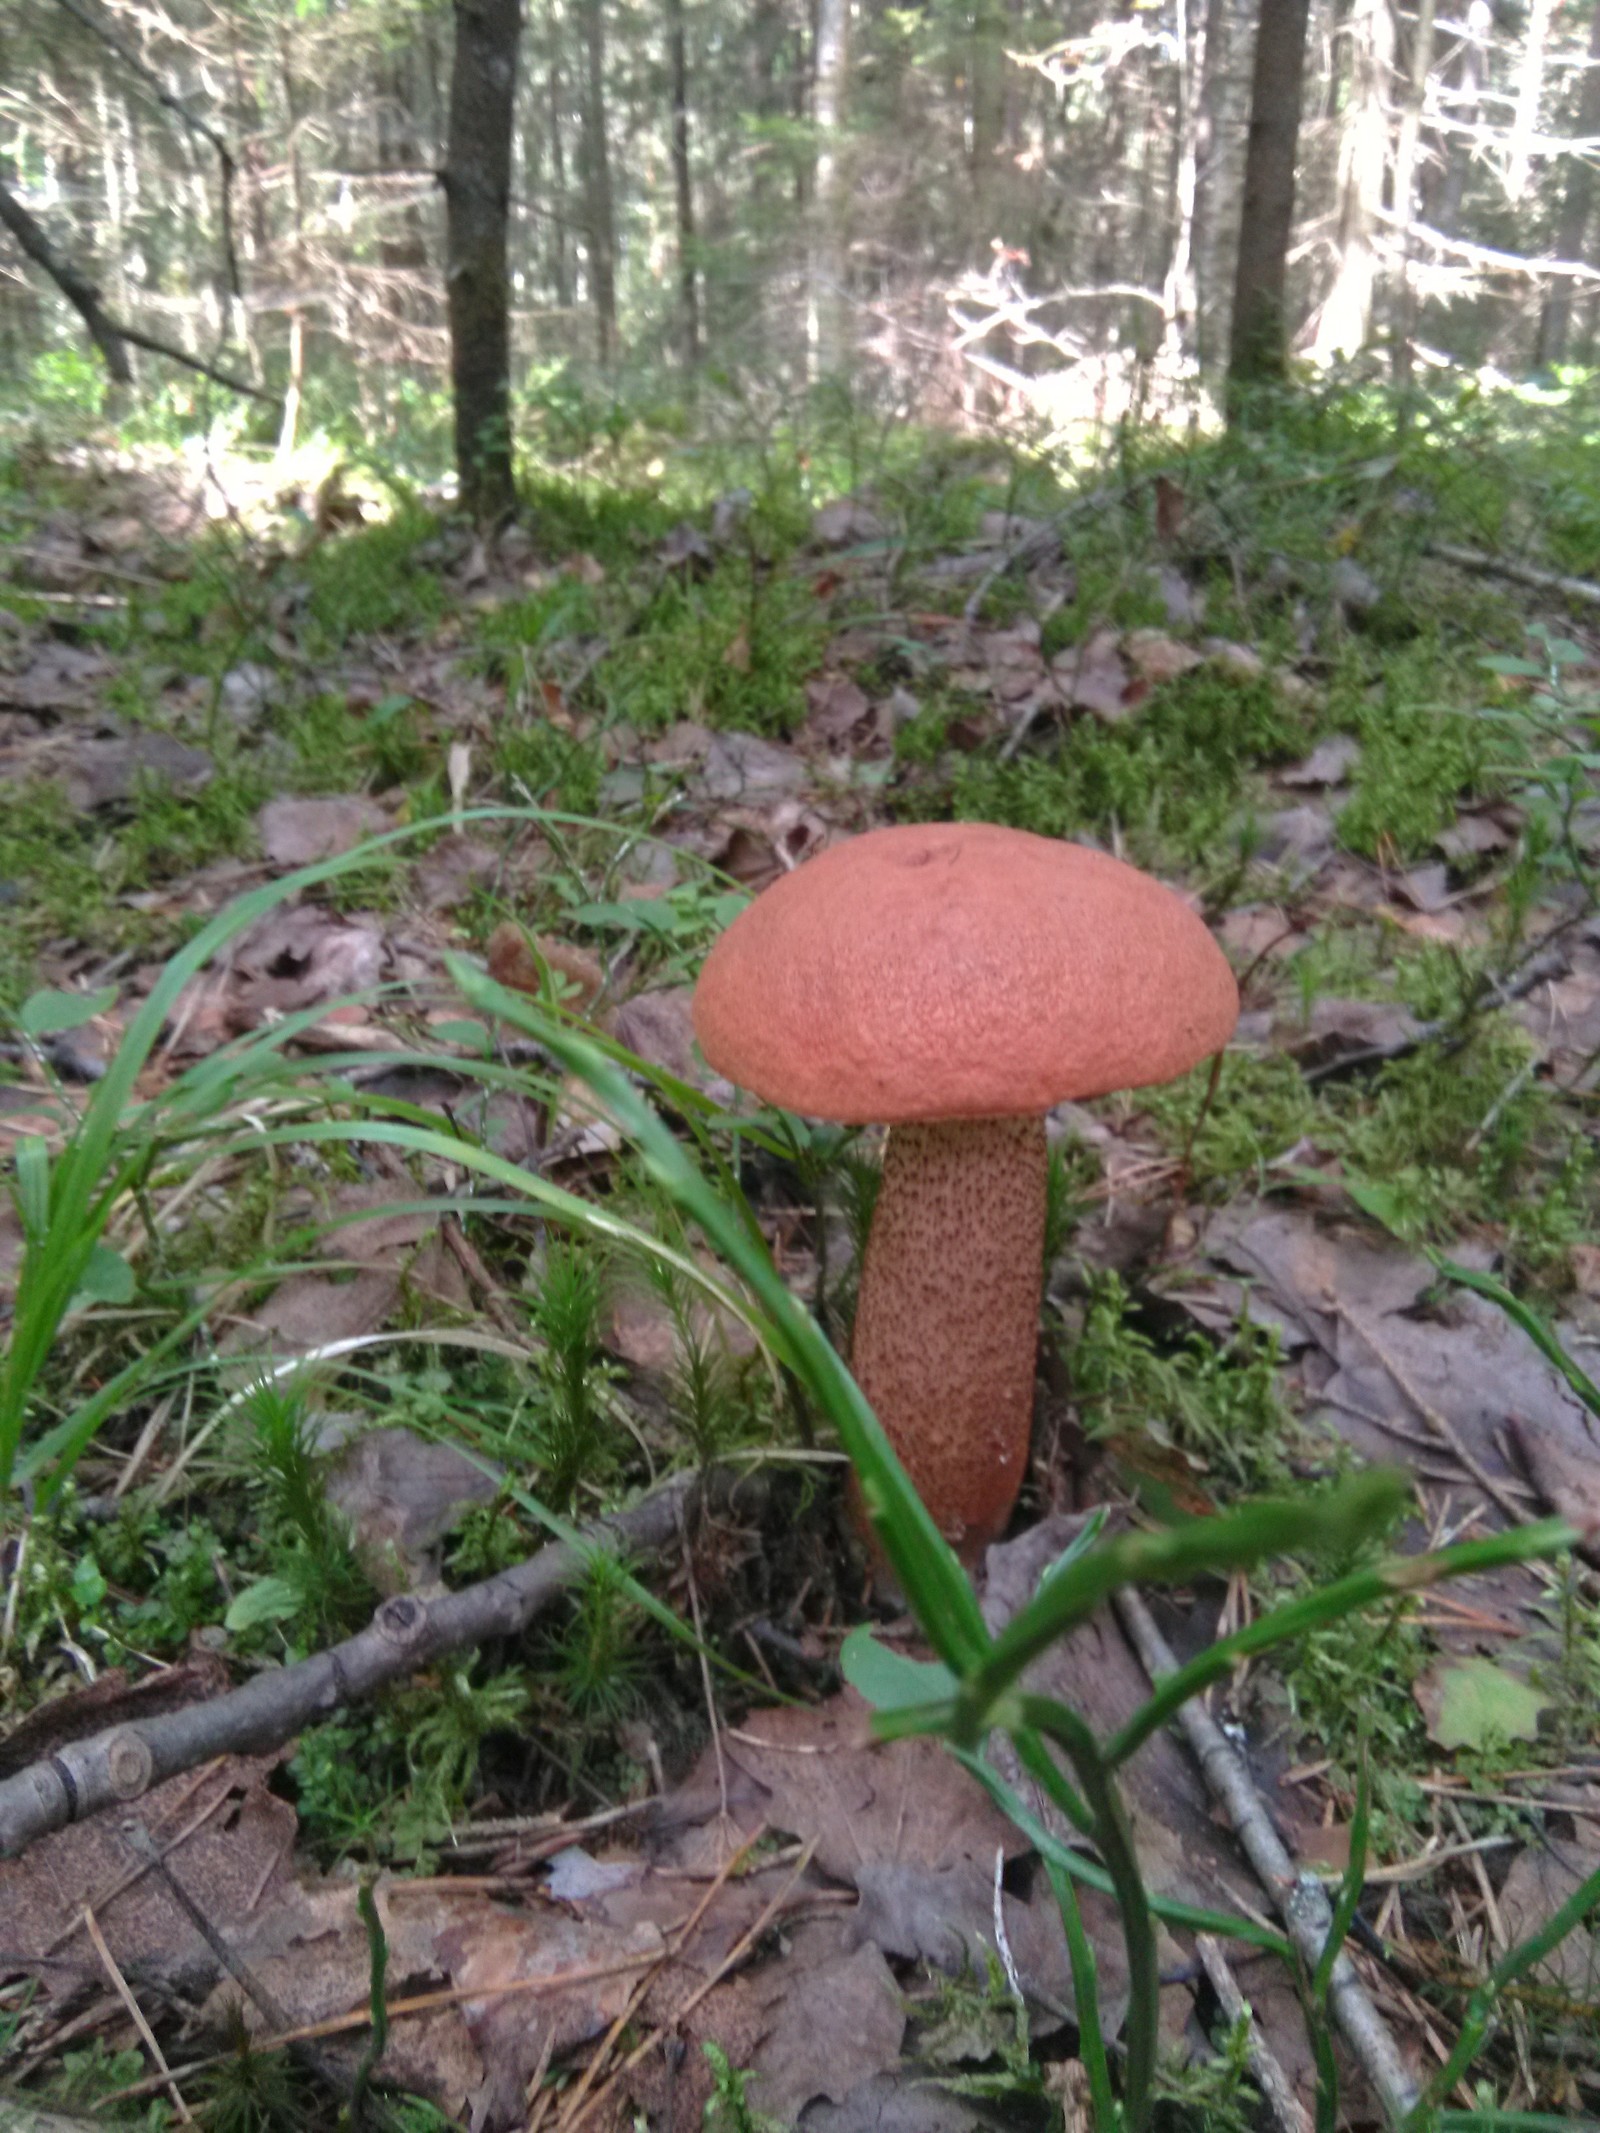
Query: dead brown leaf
[839, 708]
[225, 1839]
[521, 965]
[296, 831]
[1329, 763]
[402, 1494]
[105, 773]
[1540, 1881]
[1157, 658]
[1093, 677]
[846, 521]
[298, 956]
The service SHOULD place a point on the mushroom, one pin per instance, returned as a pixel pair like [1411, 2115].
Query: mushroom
[954, 981]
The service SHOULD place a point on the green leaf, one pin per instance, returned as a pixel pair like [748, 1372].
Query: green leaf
[888, 1679]
[48, 1013]
[32, 1187]
[88, 1584]
[1472, 1703]
[471, 1036]
[107, 1279]
[267, 1600]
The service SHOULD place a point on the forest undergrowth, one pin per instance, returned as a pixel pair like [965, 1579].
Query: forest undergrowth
[355, 867]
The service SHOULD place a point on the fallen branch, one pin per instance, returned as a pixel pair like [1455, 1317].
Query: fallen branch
[1299, 1896]
[1502, 566]
[1543, 960]
[1288, 2112]
[110, 1768]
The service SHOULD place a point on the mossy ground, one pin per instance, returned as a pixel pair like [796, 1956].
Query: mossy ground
[1466, 1140]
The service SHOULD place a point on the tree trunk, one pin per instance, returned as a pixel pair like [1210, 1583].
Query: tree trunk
[477, 182]
[1471, 67]
[1180, 296]
[683, 184]
[560, 272]
[1525, 112]
[1346, 321]
[1419, 66]
[597, 186]
[826, 331]
[107, 334]
[987, 78]
[1258, 350]
[1212, 84]
[294, 389]
[1572, 224]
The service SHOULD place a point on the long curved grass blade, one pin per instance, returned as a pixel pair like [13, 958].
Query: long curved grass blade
[934, 1582]
[1334, 1518]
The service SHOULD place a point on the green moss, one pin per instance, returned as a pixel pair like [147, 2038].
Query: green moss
[374, 580]
[734, 650]
[1172, 779]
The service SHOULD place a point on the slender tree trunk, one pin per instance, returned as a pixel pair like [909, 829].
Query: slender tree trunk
[294, 389]
[1577, 202]
[106, 332]
[826, 331]
[1471, 67]
[683, 185]
[560, 263]
[1212, 80]
[1419, 66]
[1346, 321]
[987, 79]
[1258, 349]
[1530, 88]
[597, 186]
[483, 87]
[1180, 295]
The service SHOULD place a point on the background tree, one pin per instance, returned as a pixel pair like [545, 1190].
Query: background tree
[1258, 348]
[477, 188]
[992, 210]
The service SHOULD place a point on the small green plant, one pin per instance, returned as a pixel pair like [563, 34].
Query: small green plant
[316, 1580]
[600, 1659]
[728, 2108]
[569, 1430]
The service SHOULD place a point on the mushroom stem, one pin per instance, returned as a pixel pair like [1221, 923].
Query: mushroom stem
[948, 1322]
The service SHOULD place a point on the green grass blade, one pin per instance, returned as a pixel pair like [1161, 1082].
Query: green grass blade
[935, 1584]
[1335, 1518]
[1363, 1588]
[1085, 2000]
[1536, 1328]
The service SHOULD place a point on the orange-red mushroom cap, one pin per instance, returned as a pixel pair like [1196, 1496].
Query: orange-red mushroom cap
[960, 970]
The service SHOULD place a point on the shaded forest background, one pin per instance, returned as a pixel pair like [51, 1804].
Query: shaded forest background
[984, 211]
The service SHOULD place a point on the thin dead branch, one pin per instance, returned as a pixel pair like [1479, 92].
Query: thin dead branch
[122, 1763]
[1298, 1895]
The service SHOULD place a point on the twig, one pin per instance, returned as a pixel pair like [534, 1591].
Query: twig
[108, 1963]
[1501, 566]
[735, 1955]
[1543, 961]
[118, 1765]
[326, 2069]
[1299, 1896]
[1286, 2108]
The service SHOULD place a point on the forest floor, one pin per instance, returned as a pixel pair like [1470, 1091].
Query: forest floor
[301, 1363]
